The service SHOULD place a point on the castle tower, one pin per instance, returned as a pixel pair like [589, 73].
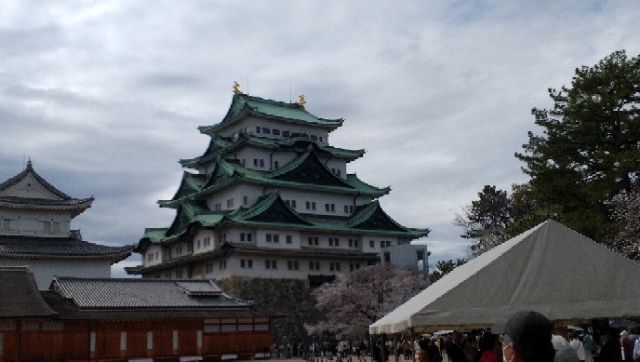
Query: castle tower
[271, 198]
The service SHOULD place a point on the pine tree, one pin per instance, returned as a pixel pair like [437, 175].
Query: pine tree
[589, 149]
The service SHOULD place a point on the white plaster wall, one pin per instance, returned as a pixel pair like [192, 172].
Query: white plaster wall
[156, 251]
[237, 193]
[261, 239]
[366, 245]
[45, 270]
[320, 199]
[32, 223]
[249, 125]
[200, 236]
[260, 271]
[248, 154]
[29, 187]
[337, 164]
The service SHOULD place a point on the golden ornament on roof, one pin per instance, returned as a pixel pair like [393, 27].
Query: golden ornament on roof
[301, 101]
[236, 88]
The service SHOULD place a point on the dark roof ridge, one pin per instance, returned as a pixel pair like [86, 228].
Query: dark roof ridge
[30, 170]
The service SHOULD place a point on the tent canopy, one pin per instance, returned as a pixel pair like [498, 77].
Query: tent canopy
[550, 269]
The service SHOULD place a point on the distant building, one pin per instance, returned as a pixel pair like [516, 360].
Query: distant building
[407, 256]
[271, 198]
[125, 319]
[35, 231]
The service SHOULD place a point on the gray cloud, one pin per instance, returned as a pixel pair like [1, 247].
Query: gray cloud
[106, 97]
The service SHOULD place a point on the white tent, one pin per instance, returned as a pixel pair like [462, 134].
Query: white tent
[550, 269]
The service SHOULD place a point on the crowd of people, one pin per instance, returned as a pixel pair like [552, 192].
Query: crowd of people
[527, 336]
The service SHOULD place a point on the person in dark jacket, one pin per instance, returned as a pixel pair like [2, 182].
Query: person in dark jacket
[526, 337]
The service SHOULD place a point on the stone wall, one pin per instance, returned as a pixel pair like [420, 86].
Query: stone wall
[288, 300]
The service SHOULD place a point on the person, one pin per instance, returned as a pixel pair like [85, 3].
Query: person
[610, 350]
[636, 351]
[577, 346]
[455, 350]
[526, 337]
[627, 345]
[434, 350]
[422, 352]
[587, 343]
[487, 348]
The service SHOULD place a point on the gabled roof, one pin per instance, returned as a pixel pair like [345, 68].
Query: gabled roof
[191, 183]
[54, 200]
[308, 169]
[30, 247]
[243, 105]
[272, 212]
[372, 217]
[129, 293]
[271, 209]
[304, 172]
[220, 146]
[20, 296]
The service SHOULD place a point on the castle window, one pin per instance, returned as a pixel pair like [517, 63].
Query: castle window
[320, 138]
[241, 236]
[346, 209]
[249, 237]
[230, 203]
[313, 205]
[285, 133]
[314, 137]
[209, 268]
[222, 264]
[276, 132]
[255, 162]
[289, 239]
[261, 163]
[268, 237]
[276, 238]
[245, 200]
[266, 130]
[371, 244]
[314, 265]
[276, 164]
[257, 129]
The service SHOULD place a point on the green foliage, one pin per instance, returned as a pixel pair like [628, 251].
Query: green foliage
[445, 267]
[589, 149]
[487, 219]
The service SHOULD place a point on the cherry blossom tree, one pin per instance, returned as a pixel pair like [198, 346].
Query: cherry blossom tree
[625, 212]
[349, 306]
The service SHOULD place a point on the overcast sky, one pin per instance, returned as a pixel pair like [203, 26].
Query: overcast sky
[106, 96]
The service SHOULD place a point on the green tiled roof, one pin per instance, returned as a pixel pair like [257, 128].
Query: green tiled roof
[219, 146]
[243, 104]
[190, 184]
[229, 173]
[272, 212]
